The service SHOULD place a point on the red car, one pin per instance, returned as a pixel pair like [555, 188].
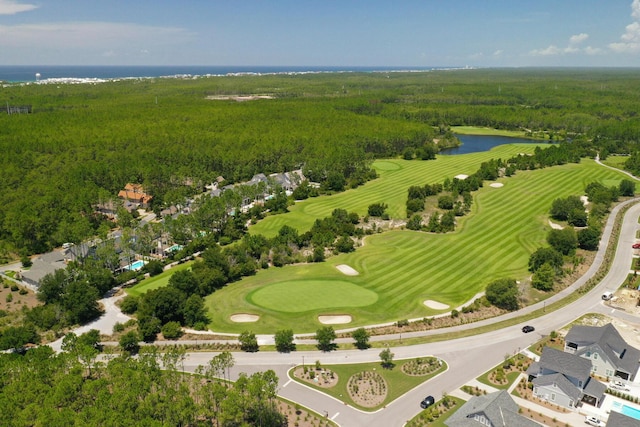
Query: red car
[636, 246]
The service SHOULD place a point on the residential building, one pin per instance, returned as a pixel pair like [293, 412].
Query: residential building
[609, 353]
[616, 419]
[565, 379]
[134, 193]
[42, 265]
[495, 409]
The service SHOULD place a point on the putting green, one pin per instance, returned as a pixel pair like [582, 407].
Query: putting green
[387, 165]
[296, 296]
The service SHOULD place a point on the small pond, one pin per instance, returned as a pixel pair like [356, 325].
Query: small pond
[477, 143]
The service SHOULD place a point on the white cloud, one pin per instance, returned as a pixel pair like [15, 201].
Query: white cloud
[631, 38]
[97, 36]
[10, 7]
[498, 52]
[571, 48]
[590, 50]
[635, 9]
[549, 51]
[578, 38]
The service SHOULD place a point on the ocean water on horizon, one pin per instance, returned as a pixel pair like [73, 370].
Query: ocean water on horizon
[27, 73]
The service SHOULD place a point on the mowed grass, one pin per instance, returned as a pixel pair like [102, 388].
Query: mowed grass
[474, 130]
[156, 282]
[309, 294]
[405, 268]
[395, 178]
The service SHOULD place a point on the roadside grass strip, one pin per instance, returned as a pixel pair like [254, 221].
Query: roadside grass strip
[424, 418]
[405, 268]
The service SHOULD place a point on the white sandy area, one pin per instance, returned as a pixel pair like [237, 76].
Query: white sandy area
[238, 98]
[435, 305]
[584, 200]
[244, 318]
[461, 176]
[345, 269]
[496, 184]
[555, 226]
[334, 320]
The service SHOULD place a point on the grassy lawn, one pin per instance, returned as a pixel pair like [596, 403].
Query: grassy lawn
[511, 378]
[420, 419]
[156, 282]
[473, 130]
[519, 363]
[405, 268]
[304, 295]
[616, 161]
[395, 177]
[398, 382]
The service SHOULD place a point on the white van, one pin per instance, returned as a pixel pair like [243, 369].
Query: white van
[607, 296]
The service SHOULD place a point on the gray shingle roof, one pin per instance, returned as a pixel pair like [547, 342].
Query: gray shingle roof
[498, 407]
[623, 356]
[617, 419]
[595, 388]
[566, 386]
[44, 264]
[565, 363]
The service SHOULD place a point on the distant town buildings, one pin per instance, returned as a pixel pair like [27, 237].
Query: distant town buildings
[18, 109]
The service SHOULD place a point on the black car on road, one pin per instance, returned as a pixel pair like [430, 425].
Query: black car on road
[527, 329]
[427, 401]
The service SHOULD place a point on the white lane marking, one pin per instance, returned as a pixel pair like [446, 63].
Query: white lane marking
[334, 417]
[287, 383]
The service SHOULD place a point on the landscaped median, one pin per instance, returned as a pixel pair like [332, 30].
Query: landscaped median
[368, 386]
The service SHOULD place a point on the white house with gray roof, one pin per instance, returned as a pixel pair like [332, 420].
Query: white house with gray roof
[42, 265]
[565, 379]
[494, 410]
[609, 353]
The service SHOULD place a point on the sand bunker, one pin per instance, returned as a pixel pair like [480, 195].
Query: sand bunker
[435, 305]
[334, 320]
[555, 226]
[244, 318]
[345, 269]
[496, 184]
[461, 176]
[584, 200]
[238, 98]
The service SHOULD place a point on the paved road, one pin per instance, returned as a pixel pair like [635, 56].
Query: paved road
[467, 357]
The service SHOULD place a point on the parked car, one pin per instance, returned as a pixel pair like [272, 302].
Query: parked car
[427, 401]
[593, 421]
[607, 296]
[636, 246]
[619, 385]
[527, 329]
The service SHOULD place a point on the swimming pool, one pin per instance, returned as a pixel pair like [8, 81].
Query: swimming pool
[135, 266]
[174, 248]
[627, 410]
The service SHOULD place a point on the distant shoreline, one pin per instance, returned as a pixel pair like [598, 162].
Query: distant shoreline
[97, 74]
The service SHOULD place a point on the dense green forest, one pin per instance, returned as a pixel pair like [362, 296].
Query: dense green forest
[76, 388]
[83, 143]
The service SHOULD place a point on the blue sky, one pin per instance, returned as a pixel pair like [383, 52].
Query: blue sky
[421, 33]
